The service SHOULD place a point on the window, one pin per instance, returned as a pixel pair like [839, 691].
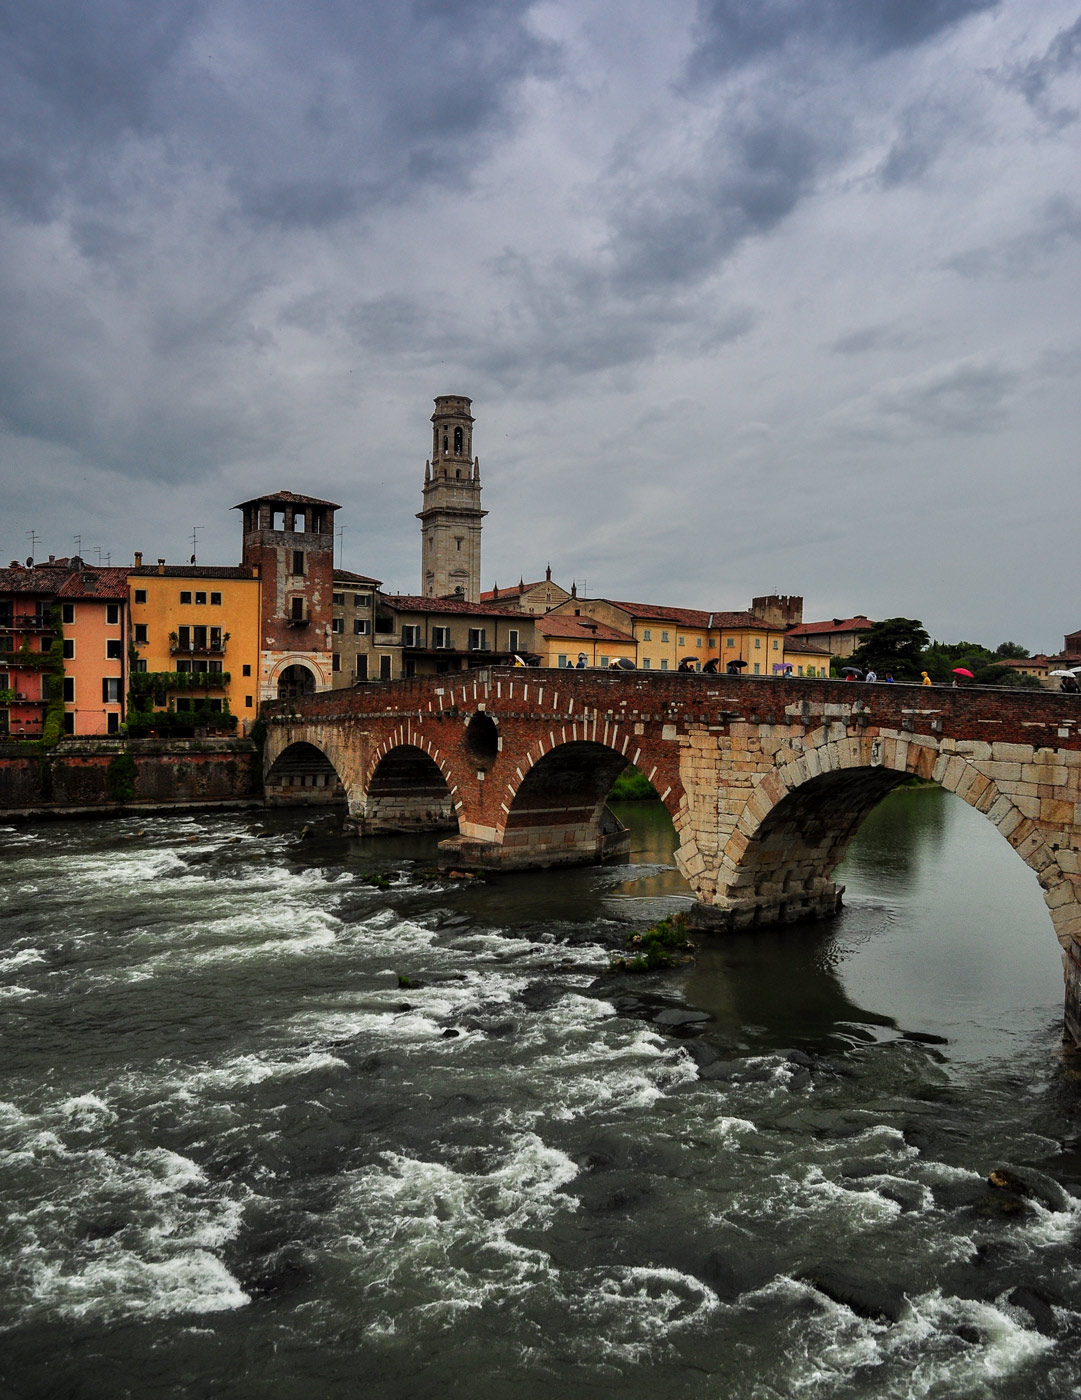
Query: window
[561, 659]
[604, 660]
[183, 704]
[183, 638]
[139, 665]
[200, 600]
[361, 626]
[337, 624]
[338, 599]
[67, 612]
[361, 600]
[185, 598]
[730, 641]
[683, 641]
[247, 702]
[110, 690]
[384, 668]
[69, 723]
[664, 636]
[215, 600]
[45, 687]
[112, 614]
[140, 595]
[298, 561]
[69, 690]
[758, 643]
[69, 650]
[112, 722]
[647, 634]
[698, 642]
[335, 662]
[512, 639]
[441, 637]
[799, 670]
[215, 668]
[776, 644]
[199, 638]
[245, 670]
[114, 651]
[296, 609]
[141, 635]
[362, 668]
[478, 639]
[645, 663]
[410, 636]
[757, 668]
[664, 665]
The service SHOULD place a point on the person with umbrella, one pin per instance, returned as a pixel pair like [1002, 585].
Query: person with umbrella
[734, 667]
[962, 671]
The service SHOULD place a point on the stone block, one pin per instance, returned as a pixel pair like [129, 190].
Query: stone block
[1001, 771]
[1011, 753]
[1056, 812]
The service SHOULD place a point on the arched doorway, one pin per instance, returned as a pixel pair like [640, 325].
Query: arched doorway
[295, 680]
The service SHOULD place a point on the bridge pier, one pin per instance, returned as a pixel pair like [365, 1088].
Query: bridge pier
[540, 847]
[734, 914]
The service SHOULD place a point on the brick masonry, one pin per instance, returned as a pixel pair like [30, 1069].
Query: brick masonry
[766, 781]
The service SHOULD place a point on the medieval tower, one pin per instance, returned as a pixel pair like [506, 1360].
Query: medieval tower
[451, 519]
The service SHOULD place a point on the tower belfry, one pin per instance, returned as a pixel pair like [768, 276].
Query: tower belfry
[450, 522]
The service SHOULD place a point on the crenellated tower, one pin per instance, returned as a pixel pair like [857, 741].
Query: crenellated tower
[451, 519]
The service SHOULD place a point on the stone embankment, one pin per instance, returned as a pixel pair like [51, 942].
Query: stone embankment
[99, 777]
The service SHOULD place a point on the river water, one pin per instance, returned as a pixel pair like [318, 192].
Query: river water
[285, 1118]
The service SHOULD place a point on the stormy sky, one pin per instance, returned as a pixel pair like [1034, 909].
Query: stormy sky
[749, 295]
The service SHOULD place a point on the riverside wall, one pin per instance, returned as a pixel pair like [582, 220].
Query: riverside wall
[96, 777]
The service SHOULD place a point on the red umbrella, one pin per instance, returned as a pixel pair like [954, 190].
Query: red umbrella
[960, 671]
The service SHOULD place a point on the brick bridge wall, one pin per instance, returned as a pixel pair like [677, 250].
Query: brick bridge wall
[766, 780]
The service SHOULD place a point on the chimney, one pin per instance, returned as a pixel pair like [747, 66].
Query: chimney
[138, 558]
[161, 566]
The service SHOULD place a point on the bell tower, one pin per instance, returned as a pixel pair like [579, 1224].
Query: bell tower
[450, 522]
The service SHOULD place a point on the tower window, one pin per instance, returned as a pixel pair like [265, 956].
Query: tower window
[457, 442]
[298, 561]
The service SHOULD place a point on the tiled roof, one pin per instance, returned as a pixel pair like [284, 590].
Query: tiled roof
[859, 623]
[344, 576]
[803, 646]
[457, 606]
[95, 583]
[287, 498]
[580, 628]
[512, 590]
[192, 571]
[689, 617]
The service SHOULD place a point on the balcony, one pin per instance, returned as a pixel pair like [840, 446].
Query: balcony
[198, 642]
[26, 622]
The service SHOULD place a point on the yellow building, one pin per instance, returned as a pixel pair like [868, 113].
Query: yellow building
[670, 638]
[195, 629]
[561, 639]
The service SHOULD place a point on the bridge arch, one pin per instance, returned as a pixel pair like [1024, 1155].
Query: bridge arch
[300, 774]
[797, 827]
[408, 786]
[555, 804]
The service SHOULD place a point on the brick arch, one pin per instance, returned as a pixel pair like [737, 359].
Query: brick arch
[408, 785]
[555, 799]
[301, 769]
[797, 827]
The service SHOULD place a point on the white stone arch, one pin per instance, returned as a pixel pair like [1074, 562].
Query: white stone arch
[857, 771]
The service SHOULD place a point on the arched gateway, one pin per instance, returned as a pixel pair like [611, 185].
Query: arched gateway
[766, 780]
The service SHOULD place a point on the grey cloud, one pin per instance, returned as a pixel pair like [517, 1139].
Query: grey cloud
[1034, 78]
[1057, 223]
[866, 339]
[969, 397]
[735, 32]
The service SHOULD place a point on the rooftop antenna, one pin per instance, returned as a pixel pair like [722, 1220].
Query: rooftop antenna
[97, 551]
[195, 540]
[78, 544]
[108, 560]
[340, 532]
[35, 540]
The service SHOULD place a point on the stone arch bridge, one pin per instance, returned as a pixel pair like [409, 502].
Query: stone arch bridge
[766, 780]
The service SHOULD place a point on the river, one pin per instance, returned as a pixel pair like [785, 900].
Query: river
[300, 1118]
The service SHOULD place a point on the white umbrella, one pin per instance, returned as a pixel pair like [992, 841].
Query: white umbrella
[1063, 673]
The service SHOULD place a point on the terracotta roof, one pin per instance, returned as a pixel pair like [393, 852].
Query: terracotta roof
[804, 646]
[287, 498]
[581, 628]
[859, 623]
[95, 583]
[513, 589]
[691, 617]
[344, 576]
[192, 571]
[413, 603]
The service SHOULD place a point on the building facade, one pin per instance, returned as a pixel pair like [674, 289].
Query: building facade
[195, 638]
[352, 622]
[450, 522]
[539, 597]
[289, 544]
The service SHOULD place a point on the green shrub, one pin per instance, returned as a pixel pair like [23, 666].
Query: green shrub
[664, 945]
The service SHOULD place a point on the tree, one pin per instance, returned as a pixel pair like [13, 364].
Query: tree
[1011, 651]
[893, 647]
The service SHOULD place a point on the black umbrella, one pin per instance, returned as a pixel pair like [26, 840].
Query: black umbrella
[735, 666]
[852, 670]
[623, 663]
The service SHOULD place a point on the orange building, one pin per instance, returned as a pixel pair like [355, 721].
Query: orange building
[94, 616]
[195, 636]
